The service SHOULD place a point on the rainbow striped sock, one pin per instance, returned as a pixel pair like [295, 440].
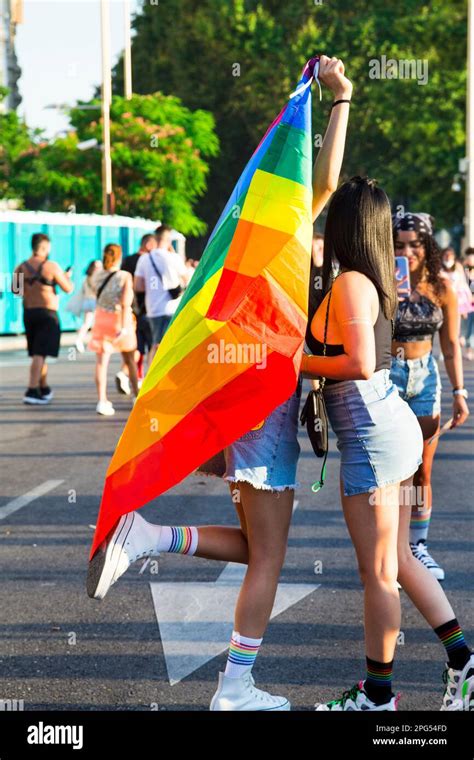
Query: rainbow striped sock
[451, 636]
[419, 524]
[378, 684]
[242, 654]
[178, 540]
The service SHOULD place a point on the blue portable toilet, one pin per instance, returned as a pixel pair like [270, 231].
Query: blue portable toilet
[76, 239]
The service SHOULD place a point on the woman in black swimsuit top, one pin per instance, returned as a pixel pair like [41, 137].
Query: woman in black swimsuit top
[430, 308]
[418, 319]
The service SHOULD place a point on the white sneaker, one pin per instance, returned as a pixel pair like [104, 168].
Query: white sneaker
[80, 346]
[356, 700]
[459, 692]
[420, 552]
[105, 408]
[235, 694]
[122, 381]
[130, 541]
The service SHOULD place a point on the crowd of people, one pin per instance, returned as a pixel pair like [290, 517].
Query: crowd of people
[125, 305]
[376, 380]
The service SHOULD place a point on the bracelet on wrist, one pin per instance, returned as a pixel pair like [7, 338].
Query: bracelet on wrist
[460, 392]
[341, 100]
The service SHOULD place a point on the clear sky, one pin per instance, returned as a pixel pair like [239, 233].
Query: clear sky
[58, 49]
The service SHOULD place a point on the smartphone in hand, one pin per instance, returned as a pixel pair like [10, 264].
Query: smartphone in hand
[402, 276]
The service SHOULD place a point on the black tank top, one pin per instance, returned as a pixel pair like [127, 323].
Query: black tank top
[383, 343]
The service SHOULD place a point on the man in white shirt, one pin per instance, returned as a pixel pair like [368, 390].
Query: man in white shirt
[159, 272]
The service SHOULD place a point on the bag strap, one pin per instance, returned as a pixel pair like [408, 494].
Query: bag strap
[319, 483]
[322, 380]
[101, 288]
[156, 268]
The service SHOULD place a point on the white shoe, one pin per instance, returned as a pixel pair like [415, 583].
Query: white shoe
[80, 345]
[420, 552]
[235, 694]
[105, 408]
[459, 692]
[122, 381]
[356, 700]
[130, 541]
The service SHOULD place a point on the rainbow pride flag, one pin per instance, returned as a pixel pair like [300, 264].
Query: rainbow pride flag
[233, 349]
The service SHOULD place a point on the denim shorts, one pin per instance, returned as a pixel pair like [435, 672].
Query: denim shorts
[377, 434]
[419, 384]
[267, 456]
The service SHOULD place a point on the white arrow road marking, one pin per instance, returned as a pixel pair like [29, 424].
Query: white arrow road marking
[27, 498]
[195, 619]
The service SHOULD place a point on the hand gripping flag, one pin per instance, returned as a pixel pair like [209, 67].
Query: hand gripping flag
[233, 349]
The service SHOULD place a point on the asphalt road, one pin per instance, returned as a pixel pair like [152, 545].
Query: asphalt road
[60, 651]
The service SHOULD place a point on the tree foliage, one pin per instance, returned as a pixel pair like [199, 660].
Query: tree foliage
[240, 60]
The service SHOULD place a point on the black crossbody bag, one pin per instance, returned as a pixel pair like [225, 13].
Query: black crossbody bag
[314, 416]
[174, 292]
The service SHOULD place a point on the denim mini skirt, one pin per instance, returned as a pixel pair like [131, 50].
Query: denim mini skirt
[267, 456]
[377, 433]
[418, 383]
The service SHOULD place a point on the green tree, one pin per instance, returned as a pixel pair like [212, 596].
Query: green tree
[159, 151]
[15, 141]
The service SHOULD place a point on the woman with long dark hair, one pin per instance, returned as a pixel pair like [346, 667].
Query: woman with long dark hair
[431, 307]
[379, 439]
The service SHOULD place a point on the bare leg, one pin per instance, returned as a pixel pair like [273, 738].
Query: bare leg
[421, 586]
[128, 359]
[44, 375]
[267, 516]
[86, 325]
[36, 367]
[421, 507]
[101, 367]
[224, 543]
[372, 520]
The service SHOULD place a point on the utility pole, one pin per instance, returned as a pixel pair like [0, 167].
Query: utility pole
[127, 56]
[107, 194]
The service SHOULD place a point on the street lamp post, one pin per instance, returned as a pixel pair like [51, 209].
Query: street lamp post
[107, 193]
[469, 221]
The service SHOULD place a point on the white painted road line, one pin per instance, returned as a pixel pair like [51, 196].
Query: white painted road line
[27, 498]
[195, 618]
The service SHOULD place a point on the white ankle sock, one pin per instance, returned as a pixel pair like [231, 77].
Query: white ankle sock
[176, 540]
[242, 655]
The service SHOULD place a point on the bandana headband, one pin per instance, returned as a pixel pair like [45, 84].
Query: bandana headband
[413, 223]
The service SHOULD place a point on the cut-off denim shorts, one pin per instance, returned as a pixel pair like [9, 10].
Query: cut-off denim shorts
[266, 457]
[377, 434]
[419, 384]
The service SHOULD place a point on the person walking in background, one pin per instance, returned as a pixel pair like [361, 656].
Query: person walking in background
[36, 280]
[431, 307]
[144, 340]
[161, 276]
[467, 326]
[87, 306]
[114, 324]
[454, 271]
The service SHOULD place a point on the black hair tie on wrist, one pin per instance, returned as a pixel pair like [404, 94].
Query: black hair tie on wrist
[336, 102]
